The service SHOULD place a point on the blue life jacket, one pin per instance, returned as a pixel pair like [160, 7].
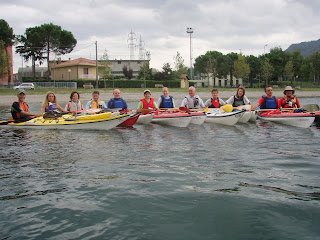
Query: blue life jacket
[269, 103]
[166, 103]
[118, 103]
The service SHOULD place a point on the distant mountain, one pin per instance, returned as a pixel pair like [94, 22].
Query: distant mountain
[306, 48]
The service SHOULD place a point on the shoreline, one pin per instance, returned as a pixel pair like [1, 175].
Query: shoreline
[7, 100]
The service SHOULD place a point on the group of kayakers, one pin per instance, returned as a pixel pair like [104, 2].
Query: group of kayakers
[20, 109]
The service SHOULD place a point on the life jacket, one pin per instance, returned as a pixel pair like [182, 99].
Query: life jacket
[52, 107]
[117, 104]
[193, 102]
[215, 103]
[16, 115]
[269, 103]
[147, 105]
[95, 104]
[237, 102]
[290, 102]
[166, 103]
[72, 106]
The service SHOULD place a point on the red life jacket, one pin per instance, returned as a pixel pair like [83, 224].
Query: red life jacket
[289, 102]
[215, 103]
[24, 107]
[147, 105]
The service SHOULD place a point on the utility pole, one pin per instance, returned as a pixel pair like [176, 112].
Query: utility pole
[97, 82]
[190, 31]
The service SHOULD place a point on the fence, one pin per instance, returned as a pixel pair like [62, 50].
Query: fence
[56, 84]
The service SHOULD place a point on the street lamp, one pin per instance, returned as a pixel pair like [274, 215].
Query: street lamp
[69, 70]
[190, 31]
[240, 51]
[264, 49]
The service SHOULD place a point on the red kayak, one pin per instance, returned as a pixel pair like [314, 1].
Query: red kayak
[172, 118]
[130, 121]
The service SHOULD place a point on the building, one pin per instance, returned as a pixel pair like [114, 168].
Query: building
[206, 81]
[4, 78]
[135, 65]
[40, 72]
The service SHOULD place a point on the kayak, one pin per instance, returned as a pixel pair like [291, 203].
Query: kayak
[254, 116]
[145, 118]
[245, 117]
[176, 119]
[225, 118]
[302, 120]
[130, 121]
[101, 121]
[198, 117]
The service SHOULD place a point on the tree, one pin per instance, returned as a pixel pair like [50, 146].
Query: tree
[128, 73]
[47, 38]
[278, 59]
[231, 57]
[289, 71]
[267, 70]
[315, 60]
[306, 70]
[7, 37]
[179, 66]
[4, 62]
[106, 64]
[255, 67]
[145, 71]
[241, 68]
[167, 72]
[297, 61]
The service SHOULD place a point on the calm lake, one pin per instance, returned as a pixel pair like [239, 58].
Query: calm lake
[250, 181]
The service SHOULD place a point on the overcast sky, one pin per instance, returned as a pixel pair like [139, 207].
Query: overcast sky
[220, 25]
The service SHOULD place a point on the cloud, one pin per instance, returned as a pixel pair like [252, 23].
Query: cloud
[225, 26]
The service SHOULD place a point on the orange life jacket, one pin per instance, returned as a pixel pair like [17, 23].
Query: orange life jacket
[95, 104]
[24, 107]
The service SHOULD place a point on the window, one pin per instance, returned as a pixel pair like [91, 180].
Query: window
[85, 70]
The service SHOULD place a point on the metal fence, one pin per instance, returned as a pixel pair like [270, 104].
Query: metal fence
[56, 84]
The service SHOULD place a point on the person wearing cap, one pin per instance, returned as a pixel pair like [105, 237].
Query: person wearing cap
[20, 109]
[289, 100]
[117, 101]
[269, 101]
[147, 102]
[165, 101]
[192, 100]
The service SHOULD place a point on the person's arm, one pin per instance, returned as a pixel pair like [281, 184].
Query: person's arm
[43, 108]
[109, 103]
[246, 100]
[222, 102]
[140, 105]
[159, 101]
[125, 107]
[67, 107]
[298, 103]
[184, 102]
[60, 108]
[88, 105]
[258, 104]
[230, 100]
[29, 114]
[278, 103]
[103, 104]
[173, 104]
[155, 105]
[201, 103]
[207, 103]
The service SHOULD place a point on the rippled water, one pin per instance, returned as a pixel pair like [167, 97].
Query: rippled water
[249, 181]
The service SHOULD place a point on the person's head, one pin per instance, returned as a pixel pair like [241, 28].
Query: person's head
[147, 94]
[95, 95]
[288, 91]
[21, 96]
[165, 91]
[241, 92]
[192, 91]
[268, 91]
[74, 96]
[214, 93]
[116, 93]
[51, 97]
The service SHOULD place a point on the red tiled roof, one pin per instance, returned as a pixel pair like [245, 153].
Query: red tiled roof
[79, 61]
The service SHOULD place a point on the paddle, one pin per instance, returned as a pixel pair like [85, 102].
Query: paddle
[6, 122]
[145, 111]
[311, 107]
[243, 107]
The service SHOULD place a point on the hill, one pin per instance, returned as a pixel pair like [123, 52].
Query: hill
[306, 48]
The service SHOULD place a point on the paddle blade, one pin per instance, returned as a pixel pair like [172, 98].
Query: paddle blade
[311, 107]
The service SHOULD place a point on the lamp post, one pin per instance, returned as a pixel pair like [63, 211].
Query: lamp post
[69, 71]
[240, 51]
[264, 49]
[190, 31]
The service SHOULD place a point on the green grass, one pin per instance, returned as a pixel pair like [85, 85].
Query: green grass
[5, 91]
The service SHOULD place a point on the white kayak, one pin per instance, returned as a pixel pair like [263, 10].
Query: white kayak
[101, 121]
[245, 117]
[176, 119]
[254, 116]
[198, 117]
[145, 118]
[302, 120]
[226, 118]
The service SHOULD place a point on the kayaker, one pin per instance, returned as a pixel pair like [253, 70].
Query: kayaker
[95, 102]
[165, 100]
[50, 103]
[239, 99]
[215, 101]
[117, 101]
[147, 102]
[269, 101]
[20, 109]
[74, 104]
[192, 100]
[289, 100]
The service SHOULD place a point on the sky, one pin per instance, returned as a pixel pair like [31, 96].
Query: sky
[248, 26]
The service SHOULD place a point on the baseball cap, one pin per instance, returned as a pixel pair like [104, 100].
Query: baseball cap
[21, 92]
[147, 90]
